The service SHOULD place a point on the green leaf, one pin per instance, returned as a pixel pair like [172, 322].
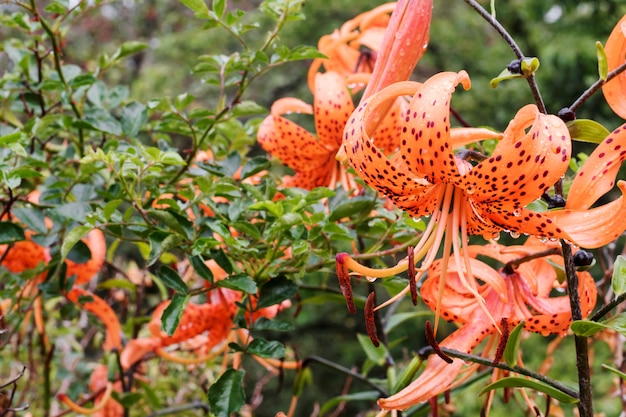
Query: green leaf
[226, 395]
[369, 396]
[517, 382]
[198, 6]
[80, 253]
[585, 130]
[134, 116]
[603, 65]
[127, 399]
[263, 323]
[527, 67]
[74, 211]
[589, 328]
[266, 348]
[161, 242]
[254, 166]
[129, 48]
[10, 233]
[239, 283]
[72, 237]
[173, 312]
[512, 345]
[618, 281]
[377, 355]
[173, 220]
[33, 219]
[276, 291]
[200, 267]
[408, 373]
[171, 279]
[349, 207]
[615, 371]
[219, 6]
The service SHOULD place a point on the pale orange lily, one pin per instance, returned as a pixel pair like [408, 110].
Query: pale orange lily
[528, 288]
[343, 47]
[615, 49]
[427, 178]
[313, 158]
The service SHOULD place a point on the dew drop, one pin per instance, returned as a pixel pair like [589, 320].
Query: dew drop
[370, 279]
[517, 212]
[514, 234]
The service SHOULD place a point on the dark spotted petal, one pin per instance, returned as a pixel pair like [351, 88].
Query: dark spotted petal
[426, 146]
[523, 165]
[333, 106]
[597, 175]
[289, 142]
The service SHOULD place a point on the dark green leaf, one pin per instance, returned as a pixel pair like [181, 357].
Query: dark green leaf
[75, 210]
[222, 260]
[266, 348]
[127, 399]
[161, 242]
[264, 323]
[173, 220]
[226, 395]
[351, 206]
[173, 312]
[10, 233]
[331, 404]
[276, 291]
[33, 219]
[378, 355]
[171, 279]
[200, 267]
[254, 166]
[239, 283]
[72, 237]
[517, 382]
[512, 345]
[80, 253]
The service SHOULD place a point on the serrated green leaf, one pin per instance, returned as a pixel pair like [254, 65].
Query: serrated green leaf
[72, 237]
[603, 65]
[266, 348]
[585, 130]
[276, 291]
[512, 345]
[226, 395]
[618, 281]
[239, 283]
[173, 312]
[10, 233]
[517, 382]
[171, 279]
[377, 355]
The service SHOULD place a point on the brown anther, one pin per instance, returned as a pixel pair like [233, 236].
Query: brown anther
[446, 396]
[434, 408]
[432, 341]
[412, 283]
[370, 322]
[343, 274]
[504, 323]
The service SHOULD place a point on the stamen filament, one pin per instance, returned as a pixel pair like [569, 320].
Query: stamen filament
[83, 410]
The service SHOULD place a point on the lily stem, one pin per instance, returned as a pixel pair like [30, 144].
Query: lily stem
[428, 350]
[608, 307]
[596, 86]
[585, 406]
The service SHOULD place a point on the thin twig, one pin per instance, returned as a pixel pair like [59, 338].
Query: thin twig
[596, 86]
[345, 371]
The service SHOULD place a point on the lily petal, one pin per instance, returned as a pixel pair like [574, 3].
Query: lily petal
[425, 145]
[615, 49]
[104, 312]
[597, 175]
[333, 107]
[523, 165]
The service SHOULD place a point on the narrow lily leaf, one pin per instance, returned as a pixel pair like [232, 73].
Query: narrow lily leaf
[584, 130]
[357, 396]
[226, 395]
[603, 65]
[375, 354]
[408, 373]
[618, 282]
[517, 382]
[10, 233]
[72, 237]
[615, 371]
[172, 280]
[173, 312]
[512, 345]
[589, 328]
[304, 377]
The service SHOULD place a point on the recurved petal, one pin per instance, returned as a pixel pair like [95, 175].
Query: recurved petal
[523, 165]
[425, 145]
[594, 227]
[333, 106]
[388, 131]
[104, 312]
[597, 176]
[309, 179]
[615, 90]
[523, 220]
[289, 142]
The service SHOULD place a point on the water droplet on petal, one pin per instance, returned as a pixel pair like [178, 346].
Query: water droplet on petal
[517, 212]
[514, 234]
[370, 279]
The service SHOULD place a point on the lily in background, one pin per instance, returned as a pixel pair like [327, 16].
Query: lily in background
[615, 90]
[528, 293]
[314, 158]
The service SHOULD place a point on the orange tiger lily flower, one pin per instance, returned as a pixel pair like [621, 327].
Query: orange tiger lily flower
[428, 178]
[313, 158]
[528, 289]
[615, 49]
